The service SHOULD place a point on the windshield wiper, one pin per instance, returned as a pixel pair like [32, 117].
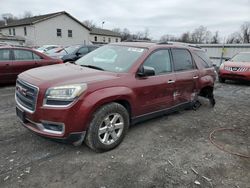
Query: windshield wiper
[93, 67]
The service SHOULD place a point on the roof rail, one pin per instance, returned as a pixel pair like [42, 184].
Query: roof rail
[165, 42]
[185, 44]
[136, 40]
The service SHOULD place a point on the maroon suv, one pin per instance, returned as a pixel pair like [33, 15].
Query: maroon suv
[96, 99]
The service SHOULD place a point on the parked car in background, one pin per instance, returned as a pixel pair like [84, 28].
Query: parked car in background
[64, 51]
[76, 52]
[45, 48]
[14, 60]
[97, 98]
[237, 68]
[53, 51]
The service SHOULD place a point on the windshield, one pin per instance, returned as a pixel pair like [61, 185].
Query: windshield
[112, 58]
[70, 49]
[241, 57]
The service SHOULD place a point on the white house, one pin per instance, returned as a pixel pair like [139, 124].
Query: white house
[57, 28]
[104, 36]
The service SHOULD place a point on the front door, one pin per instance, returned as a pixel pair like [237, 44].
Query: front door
[155, 93]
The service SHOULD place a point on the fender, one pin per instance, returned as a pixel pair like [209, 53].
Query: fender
[205, 81]
[94, 100]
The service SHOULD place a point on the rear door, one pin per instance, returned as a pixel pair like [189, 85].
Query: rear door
[5, 66]
[187, 76]
[23, 60]
[155, 93]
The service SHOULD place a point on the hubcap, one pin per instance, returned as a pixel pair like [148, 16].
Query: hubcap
[111, 128]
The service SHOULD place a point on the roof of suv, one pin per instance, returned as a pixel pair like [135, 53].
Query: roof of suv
[155, 45]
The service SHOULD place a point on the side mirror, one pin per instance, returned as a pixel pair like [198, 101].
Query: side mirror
[78, 53]
[145, 71]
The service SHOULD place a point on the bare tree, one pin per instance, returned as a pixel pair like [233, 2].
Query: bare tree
[215, 38]
[89, 23]
[201, 35]
[245, 32]
[167, 37]
[125, 34]
[234, 38]
[185, 37]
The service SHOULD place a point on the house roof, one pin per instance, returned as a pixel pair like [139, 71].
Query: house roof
[40, 18]
[97, 31]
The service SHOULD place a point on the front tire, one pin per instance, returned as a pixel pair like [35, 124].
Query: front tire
[108, 127]
[222, 80]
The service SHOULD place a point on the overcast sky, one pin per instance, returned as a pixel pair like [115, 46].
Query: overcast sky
[159, 16]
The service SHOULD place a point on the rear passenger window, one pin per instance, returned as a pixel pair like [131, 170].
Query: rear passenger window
[160, 61]
[4, 55]
[23, 55]
[182, 60]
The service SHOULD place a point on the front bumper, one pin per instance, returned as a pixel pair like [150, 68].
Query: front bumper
[75, 138]
[234, 75]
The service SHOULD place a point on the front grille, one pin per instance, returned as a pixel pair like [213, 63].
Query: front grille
[26, 95]
[238, 69]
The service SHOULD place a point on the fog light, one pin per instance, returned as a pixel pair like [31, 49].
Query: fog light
[53, 127]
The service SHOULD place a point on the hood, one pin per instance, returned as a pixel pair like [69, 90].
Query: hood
[237, 64]
[65, 74]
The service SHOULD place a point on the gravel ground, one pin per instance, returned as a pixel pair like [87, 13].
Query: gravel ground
[170, 151]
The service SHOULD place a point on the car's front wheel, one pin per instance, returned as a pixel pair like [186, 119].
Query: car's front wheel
[221, 80]
[108, 127]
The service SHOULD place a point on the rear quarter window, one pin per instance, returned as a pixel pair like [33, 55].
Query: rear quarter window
[203, 59]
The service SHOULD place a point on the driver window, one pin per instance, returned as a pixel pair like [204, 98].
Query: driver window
[160, 61]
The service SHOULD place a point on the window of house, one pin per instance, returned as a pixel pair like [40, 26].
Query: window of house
[10, 32]
[160, 61]
[58, 32]
[14, 31]
[25, 31]
[109, 39]
[116, 40]
[182, 60]
[4, 55]
[95, 38]
[23, 55]
[103, 39]
[70, 33]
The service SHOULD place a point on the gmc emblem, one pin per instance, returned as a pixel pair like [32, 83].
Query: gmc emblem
[21, 90]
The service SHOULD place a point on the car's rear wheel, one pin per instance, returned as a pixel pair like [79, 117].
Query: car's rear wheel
[108, 127]
[222, 80]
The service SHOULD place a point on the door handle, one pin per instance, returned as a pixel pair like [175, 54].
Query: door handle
[171, 81]
[195, 77]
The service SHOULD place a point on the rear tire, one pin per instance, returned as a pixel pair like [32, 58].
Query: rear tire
[108, 127]
[222, 80]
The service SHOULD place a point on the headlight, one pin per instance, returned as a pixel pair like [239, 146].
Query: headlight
[222, 66]
[63, 95]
